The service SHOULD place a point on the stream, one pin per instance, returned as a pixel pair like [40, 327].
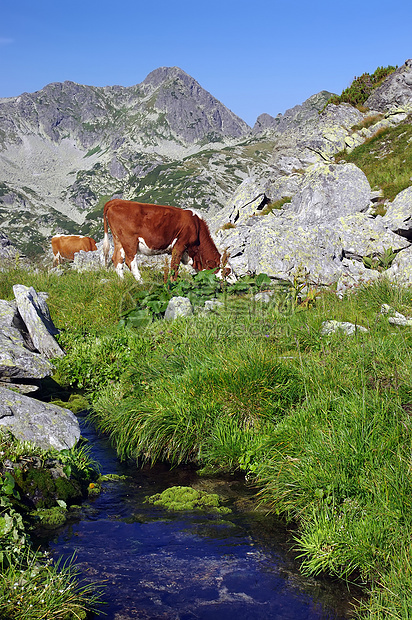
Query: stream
[155, 564]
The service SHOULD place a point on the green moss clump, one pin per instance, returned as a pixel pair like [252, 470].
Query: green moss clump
[187, 498]
[38, 485]
[50, 517]
[67, 490]
[76, 403]
[112, 477]
[42, 490]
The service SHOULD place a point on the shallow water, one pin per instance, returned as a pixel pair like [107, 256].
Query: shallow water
[160, 565]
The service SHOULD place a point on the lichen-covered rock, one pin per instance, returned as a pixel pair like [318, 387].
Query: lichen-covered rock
[18, 362]
[331, 327]
[326, 222]
[362, 235]
[17, 359]
[398, 216]
[46, 425]
[331, 191]
[396, 90]
[178, 306]
[35, 314]
[394, 317]
[7, 313]
[248, 199]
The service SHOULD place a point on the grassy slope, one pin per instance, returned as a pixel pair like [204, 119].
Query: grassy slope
[386, 159]
[320, 423]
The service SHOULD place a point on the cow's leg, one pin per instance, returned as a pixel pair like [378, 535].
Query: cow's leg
[120, 265]
[177, 253]
[135, 269]
[56, 259]
[118, 257]
[130, 254]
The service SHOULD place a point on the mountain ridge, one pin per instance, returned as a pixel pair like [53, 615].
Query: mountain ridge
[67, 148]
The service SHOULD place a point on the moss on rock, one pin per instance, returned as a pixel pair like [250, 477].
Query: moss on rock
[41, 489]
[187, 498]
[50, 517]
[76, 403]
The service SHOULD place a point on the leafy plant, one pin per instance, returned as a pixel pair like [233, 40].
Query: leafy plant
[381, 262]
[204, 285]
[12, 532]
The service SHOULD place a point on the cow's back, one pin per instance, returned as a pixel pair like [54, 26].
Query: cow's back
[158, 225]
[67, 245]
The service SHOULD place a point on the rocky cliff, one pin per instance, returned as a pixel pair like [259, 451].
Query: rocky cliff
[310, 217]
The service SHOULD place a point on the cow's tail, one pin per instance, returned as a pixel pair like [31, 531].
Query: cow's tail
[106, 242]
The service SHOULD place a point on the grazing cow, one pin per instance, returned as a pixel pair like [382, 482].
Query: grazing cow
[65, 246]
[148, 229]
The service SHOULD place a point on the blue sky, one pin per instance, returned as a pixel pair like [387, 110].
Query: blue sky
[256, 56]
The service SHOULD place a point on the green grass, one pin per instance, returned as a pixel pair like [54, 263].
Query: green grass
[319, 424]
[386, 159]
[35, 589]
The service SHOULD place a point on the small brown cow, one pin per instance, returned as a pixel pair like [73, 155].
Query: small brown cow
[140, 228]
[65, 246]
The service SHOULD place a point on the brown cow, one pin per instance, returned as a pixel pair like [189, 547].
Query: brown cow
[65, 246]
[140, 228]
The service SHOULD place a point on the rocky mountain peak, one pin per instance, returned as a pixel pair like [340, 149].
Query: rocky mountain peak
[190, 110]
[298, 115]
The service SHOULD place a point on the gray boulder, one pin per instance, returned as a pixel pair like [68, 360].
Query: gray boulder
[331, 191]
[394, 317]
[18, 360]
[46, 425]
[332, 327]
[178, 306]
[35, 314]
[326, 223]
[398, 217]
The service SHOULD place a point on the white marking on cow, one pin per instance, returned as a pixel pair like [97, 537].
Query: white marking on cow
[120, 269]
[135, 269]
[143, 248]
[199, 215]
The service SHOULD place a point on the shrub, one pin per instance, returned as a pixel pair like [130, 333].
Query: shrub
[361, 87]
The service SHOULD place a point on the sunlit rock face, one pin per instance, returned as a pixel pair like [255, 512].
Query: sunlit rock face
[395, 91]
